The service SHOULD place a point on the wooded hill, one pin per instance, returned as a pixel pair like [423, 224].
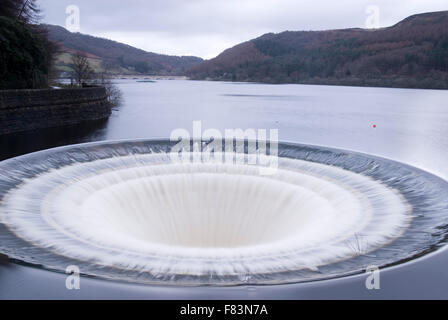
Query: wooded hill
[412, 53]
[114, 57]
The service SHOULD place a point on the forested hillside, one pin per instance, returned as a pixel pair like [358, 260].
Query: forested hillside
[115, 57]
[412, 53]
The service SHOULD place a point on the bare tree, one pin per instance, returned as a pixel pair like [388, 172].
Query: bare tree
[114, 94]
[82, 71]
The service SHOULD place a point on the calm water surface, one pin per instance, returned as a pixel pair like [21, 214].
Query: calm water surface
[412, 125]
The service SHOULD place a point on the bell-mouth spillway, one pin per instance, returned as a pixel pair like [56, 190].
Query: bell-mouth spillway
[124, 211]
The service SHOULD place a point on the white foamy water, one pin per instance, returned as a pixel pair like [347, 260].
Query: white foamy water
[143, 213]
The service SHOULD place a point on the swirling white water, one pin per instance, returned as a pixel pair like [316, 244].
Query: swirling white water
[125, 211]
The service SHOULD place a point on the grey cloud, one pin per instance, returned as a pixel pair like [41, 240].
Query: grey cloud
[172, 24]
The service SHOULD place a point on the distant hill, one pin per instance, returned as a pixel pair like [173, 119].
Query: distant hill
[115, 57]
[412, 53]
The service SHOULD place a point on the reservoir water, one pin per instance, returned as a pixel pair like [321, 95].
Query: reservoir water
[404, 125]
[411, 125]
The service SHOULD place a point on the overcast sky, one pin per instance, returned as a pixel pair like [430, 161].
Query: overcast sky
[205, 28]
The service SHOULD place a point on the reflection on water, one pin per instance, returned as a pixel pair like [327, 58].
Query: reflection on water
[262, 96]
[13, 145]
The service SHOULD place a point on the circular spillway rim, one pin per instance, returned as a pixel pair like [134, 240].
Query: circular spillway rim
[51, 151]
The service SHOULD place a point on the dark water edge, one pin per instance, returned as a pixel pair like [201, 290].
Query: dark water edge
[17, 144]
[416, 280]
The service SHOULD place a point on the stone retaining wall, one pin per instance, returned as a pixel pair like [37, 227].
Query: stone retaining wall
[22, 110]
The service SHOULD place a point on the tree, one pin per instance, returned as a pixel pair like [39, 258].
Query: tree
[26, 54]
[24, 10]
[9, 9]
[29, 11]
[25, 59]
[82, 71]
[141, 67]
[113, 93]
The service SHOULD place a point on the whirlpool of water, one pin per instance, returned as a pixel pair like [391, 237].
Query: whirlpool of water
[126, 211]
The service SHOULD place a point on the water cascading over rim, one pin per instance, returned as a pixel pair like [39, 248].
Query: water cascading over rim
[125, 211]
